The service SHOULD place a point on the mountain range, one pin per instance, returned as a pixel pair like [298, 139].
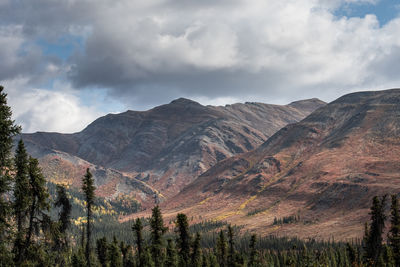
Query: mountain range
[319, 175]
[307, 169]
[152, 155]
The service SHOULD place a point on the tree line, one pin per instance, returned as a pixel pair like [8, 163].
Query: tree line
[30, 236]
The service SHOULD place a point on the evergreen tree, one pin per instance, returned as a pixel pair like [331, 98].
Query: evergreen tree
[205, 262]
[147, 259]
[125, 253]
[221, 249]
[373, 235]
[394, 232]
[88, 189]
[213, 260]
[157, 231]
[196, 257]
[231, 254]
[352, 254]
[170, 260]
[8, 130]
[183, 239]
[115, 254]
[21, 199]
[102, 251]
[78, 259]
[137, 229]
[64, 220]
[387, 257]
[253, 251]
[38, 198]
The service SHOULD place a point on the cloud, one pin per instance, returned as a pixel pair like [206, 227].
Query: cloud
[149, 52]
[256, 49]
[39, 109]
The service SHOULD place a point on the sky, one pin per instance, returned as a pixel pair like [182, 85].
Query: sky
[65, 63]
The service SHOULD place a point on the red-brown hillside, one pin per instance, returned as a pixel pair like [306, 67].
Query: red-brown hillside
[168, 146]
[326, 169]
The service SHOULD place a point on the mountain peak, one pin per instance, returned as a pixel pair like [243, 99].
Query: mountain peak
[308, 104]
[184, 101]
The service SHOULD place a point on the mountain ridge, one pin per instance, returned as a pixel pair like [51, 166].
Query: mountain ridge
[325, 168]
[169, 145]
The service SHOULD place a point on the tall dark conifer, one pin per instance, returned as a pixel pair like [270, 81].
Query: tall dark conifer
[39, 198]
[64, 219]
[373, 235]
[137, 229]
[253, 252]
[8, 130]
[88, 189]
[221, 249]
[231, 241]
[115, 254]
[183, 239]
[21, 199]
[394, 232]
[170, 260]
[157, 231]
[102, 251]
[196, 258]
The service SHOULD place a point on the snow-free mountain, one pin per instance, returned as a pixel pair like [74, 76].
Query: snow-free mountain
[151, 155]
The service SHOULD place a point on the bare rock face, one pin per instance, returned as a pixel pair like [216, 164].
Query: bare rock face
[168, 146]
[324, 169]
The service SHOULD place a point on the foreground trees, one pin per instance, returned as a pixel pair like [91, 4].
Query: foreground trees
[8, 129]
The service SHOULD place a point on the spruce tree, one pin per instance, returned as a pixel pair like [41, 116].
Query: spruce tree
[38, 198]
[64, 220]
[373, 235]
[21, 199]
[394, 232]
[253, 251]
[78, 259]
[115, 254]
[102, 251]
[8, 130]
[88, 189]
[213, 260]
[388, 257]
[196, 257]
[221, 249]
[157, 231]
[352, 254]
[125, 253]
[231, 241]
[171, 260]
[205, 261]
[147, 259]
[137, 229]
[183, 239]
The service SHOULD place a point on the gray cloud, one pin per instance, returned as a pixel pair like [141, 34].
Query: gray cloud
[149, 52]
[247, 48]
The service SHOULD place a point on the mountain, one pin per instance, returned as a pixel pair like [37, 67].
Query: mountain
[315, 178]
[164, 148]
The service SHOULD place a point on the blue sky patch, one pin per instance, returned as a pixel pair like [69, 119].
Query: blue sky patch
[62, 48]
[384, 10]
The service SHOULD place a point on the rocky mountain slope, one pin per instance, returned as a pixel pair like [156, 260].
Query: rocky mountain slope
[159, 151]
[318, 175]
